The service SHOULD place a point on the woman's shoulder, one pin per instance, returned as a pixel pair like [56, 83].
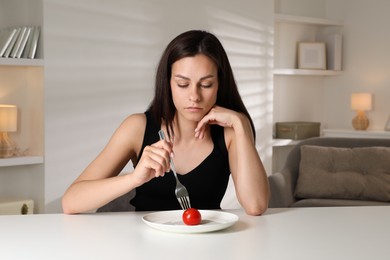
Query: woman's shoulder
[136, 118]
[130, 133]
[134, 124]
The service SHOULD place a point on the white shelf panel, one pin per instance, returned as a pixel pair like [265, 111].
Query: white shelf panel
[302, 72]
[306, 20]
[21, 62]
[22, 160]
[284, 142]
[356, 133]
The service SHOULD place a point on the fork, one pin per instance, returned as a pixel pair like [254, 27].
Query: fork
[180, 191]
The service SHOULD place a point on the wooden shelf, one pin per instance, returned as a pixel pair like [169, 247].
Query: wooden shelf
[283, 18]
[302, 72]
[23, 160]
[21, 62]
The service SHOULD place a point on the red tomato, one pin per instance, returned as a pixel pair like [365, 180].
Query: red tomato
[192, 217]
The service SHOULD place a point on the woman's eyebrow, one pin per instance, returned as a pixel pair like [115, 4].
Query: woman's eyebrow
[207, 77]
[186, 78]
[181, 76]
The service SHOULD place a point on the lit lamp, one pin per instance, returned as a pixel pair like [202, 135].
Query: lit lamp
[361, 102]
[8, 123]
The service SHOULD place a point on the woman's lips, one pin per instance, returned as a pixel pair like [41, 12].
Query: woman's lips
[193, 109]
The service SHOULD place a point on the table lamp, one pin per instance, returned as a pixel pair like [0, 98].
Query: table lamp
[361, 102]
[8, 123]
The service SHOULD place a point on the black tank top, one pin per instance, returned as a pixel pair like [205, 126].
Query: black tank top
[206, 184]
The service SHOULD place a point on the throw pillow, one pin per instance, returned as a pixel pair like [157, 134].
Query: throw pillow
[361, 173]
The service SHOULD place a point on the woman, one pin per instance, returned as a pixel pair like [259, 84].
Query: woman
[210, 135]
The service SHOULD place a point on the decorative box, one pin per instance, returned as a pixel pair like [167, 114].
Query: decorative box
[16, 206]
[297, 130]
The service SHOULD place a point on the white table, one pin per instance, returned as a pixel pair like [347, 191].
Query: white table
[295, 233]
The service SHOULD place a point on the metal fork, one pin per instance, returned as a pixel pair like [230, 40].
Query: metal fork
[180, 191]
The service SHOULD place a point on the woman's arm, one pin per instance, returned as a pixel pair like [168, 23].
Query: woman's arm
[249, 176]
[99, 183]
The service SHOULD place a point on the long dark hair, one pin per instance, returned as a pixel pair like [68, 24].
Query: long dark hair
[189, 44]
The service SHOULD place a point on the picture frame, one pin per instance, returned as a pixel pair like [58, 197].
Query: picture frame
[312, 55]
[387, 126]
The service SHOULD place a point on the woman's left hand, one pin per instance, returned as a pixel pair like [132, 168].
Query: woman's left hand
[217, 116]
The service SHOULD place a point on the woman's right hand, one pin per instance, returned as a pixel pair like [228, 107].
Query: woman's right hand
[154, 162]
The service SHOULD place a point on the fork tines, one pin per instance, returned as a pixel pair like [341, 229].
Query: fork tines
[184, 202]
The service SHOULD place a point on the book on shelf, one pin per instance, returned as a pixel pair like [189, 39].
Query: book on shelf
[23, 42]
[32, 50]
[12, 43]
[6, 38]
[334, 49]
[19, 42]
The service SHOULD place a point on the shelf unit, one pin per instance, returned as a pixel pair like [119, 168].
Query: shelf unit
[309, 29]
[292, 86]
[22, 84]
[297, 92]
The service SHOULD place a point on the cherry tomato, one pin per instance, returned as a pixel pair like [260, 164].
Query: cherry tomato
[191, 217]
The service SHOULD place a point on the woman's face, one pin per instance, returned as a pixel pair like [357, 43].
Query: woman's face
[194, 85]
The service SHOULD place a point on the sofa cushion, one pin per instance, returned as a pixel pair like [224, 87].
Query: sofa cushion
[336, 203]
[360, 173]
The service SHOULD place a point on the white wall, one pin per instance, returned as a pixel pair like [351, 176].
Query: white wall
[100, 59]
[366, 63]
[310, 8]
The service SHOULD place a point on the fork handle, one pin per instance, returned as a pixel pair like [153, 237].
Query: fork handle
[161, 134]
[162, 137]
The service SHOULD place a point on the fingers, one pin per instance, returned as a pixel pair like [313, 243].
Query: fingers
[209, 118]
[216, 115]
[199, 130]
[162, 153]
[155, 160]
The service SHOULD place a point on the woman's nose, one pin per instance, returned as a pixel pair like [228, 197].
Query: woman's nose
[194, 94]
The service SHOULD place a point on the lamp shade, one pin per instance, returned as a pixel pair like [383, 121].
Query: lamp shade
[8, 118]
[361, 101]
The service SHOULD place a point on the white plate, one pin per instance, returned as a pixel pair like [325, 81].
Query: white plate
[171, 221]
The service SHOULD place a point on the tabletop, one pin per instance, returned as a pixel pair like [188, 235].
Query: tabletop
[285, 233]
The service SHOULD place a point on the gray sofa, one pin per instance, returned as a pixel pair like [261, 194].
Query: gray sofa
[328, 171]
